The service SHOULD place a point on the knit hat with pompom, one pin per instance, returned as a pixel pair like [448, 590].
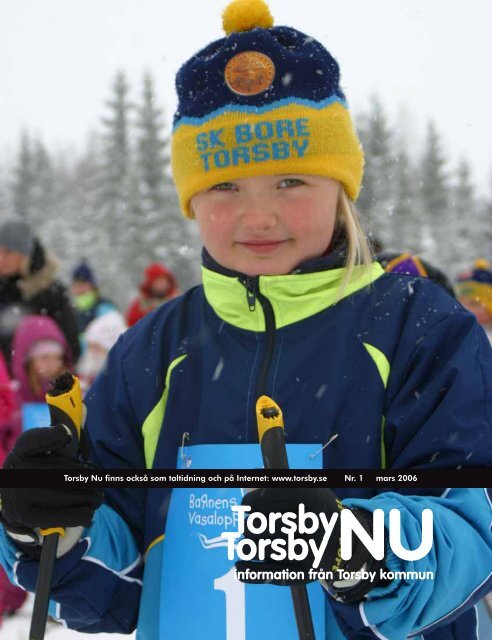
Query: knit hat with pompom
[264, 100]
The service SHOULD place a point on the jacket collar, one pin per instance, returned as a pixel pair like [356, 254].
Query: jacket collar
[309, 289]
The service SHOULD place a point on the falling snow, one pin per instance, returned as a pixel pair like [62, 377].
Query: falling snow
[321, 392]
[286, 79]
[218, 370]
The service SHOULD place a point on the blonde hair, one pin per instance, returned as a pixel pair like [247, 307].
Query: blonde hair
[348, 227]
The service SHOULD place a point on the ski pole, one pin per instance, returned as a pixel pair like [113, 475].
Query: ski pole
[66, 408]
[270, 422]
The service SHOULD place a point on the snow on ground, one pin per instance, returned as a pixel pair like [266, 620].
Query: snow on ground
[17, 628]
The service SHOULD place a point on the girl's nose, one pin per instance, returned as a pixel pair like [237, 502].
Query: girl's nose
[259, 214]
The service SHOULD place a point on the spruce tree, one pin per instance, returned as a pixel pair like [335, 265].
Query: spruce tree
[376, 201]
[405, 221]
[162, 231]
[151, 163]
[152, 142]
[84, 236]
[23, 181]
[43, 191]
[115, 190]
[434, 196]
[461, 221]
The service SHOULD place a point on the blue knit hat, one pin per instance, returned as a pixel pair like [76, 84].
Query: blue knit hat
[263, 100]
[83, 273]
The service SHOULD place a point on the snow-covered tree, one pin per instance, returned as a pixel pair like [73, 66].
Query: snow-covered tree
[44, 188]
[164, 234]
[462, 219]
[116, 150]
[116, 185]
[152, 145]
[434, 194]
[406, 214]
[24, 179]
[376, 200]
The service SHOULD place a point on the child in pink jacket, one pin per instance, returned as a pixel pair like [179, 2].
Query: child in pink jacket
[11, 597]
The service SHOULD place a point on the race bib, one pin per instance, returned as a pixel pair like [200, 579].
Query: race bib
[35, 414]
[200, 595]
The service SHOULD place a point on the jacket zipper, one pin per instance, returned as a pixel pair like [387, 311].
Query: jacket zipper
[253, 293]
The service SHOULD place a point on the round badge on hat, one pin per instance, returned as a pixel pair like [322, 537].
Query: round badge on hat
[249, 73]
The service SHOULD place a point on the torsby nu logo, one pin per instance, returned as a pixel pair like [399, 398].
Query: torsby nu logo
[306, 523]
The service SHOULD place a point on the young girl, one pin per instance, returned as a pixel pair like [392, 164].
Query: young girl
[387, 368]
[40, 354]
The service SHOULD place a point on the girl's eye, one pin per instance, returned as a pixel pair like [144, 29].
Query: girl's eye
[223, 186]
[290, 182]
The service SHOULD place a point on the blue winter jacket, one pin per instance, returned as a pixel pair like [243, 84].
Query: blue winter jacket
[396, 367]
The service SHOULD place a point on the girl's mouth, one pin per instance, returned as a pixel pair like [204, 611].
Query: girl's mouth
[262, 246]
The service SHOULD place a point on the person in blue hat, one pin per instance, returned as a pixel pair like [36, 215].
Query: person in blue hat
[89, 303]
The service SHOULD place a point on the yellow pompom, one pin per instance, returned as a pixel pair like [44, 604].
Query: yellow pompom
[244, 15]
[482, 263]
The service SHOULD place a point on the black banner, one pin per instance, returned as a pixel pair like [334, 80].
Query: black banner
[249, 478]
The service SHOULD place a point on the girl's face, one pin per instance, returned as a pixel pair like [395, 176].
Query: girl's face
[47, 366]
[267, 225]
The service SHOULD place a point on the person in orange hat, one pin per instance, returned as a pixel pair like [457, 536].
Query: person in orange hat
[158, 286]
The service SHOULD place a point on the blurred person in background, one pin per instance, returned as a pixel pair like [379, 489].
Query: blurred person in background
[40, 354]
[100, 336]
[158, 286]
[89, 303]
[29, 285]
[405, 262]
[474, 289]
[11, 596]
[7, 406]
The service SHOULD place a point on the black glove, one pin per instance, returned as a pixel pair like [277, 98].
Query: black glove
[22, 511]
[315, 500]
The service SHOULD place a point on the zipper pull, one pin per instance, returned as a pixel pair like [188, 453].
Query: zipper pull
[251, 284]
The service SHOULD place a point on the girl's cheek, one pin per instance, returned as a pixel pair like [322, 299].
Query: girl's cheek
[217, 218]
[222, 212]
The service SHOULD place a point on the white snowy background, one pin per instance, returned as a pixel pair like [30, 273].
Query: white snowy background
[427, 58]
